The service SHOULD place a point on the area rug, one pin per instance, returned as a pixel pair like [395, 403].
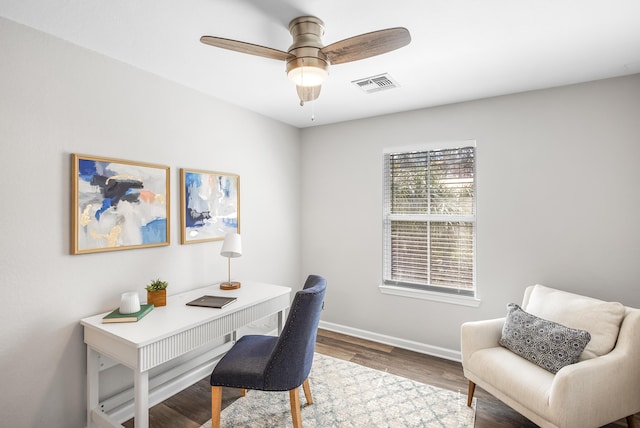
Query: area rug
[348, 395]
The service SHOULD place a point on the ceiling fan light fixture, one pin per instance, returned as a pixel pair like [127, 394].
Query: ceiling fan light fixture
[307, 71]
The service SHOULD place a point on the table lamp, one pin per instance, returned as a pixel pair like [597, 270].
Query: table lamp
[231, 247]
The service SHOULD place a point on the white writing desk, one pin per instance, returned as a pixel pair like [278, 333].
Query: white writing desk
[168, 332]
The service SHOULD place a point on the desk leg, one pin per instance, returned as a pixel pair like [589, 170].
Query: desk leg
[141, 391]
[93, 377]
[280, 321]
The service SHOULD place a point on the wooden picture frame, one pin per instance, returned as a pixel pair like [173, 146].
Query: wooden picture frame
[118, 204]
[209, 205]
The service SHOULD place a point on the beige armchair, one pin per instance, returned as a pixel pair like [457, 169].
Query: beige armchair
[602, 387]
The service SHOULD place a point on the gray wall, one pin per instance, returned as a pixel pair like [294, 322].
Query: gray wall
[57, 99]
[558, 183]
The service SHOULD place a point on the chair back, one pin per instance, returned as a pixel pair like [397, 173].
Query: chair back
[291, 359]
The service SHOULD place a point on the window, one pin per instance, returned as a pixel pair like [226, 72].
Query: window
[430, 218]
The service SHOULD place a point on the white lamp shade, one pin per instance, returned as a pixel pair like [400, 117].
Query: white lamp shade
[232, 245]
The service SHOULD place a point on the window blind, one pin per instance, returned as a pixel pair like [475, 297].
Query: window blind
[429, 219]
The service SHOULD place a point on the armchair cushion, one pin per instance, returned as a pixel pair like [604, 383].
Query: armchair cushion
[601, 319]
[545, 343]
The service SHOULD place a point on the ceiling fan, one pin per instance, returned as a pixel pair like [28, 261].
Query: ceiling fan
[308, 60]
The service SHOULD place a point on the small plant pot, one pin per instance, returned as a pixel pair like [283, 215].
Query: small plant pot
[157, 298]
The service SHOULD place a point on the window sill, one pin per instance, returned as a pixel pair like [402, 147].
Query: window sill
[430, 295]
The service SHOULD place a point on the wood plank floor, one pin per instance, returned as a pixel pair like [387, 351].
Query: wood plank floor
[191, 407]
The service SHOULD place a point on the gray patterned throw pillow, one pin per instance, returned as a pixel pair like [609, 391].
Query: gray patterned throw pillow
[545, 343]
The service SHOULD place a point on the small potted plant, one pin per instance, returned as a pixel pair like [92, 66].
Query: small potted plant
[157, 292]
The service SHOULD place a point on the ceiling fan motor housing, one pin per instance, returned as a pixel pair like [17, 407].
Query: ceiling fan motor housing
[306, 64]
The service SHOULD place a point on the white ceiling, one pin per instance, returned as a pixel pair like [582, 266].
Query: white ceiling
[460, 49]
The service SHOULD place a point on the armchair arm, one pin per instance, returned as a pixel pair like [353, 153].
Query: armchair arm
[476, 335]
[596, 391]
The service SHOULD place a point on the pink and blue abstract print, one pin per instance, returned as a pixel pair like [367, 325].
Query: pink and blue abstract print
[120, 204]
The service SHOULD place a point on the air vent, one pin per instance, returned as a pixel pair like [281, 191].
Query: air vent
[376, 83]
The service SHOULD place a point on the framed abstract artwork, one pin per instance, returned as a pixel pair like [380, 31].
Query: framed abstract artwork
[118, 204]
[209, 205]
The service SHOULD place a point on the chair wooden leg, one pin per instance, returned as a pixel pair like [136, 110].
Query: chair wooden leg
[243, 392]
[307, 391]
[294, 397]
[631, 421]
[472, 389]
[216, 406]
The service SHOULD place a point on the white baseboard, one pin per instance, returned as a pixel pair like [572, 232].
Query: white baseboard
[423, 348]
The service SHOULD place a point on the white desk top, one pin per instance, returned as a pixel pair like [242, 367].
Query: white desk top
[176, 317]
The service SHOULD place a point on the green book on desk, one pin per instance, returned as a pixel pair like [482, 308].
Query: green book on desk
[116, 316]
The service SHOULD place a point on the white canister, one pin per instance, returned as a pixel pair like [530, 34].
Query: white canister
[129, 302]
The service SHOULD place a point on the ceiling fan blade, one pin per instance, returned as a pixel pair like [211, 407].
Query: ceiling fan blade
[244, 47]
[367, 45]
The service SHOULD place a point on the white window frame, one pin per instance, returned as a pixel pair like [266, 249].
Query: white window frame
[417, 291]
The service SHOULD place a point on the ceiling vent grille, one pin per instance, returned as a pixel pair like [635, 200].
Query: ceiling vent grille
[377, 83]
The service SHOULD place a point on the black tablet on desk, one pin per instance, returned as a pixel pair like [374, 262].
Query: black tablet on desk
[212, 301]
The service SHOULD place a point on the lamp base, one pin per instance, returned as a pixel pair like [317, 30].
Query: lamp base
[229, 285]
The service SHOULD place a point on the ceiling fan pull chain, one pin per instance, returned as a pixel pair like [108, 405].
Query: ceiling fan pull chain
[313, 110]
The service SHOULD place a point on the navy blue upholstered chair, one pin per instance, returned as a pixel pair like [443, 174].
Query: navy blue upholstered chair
[270, 363]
